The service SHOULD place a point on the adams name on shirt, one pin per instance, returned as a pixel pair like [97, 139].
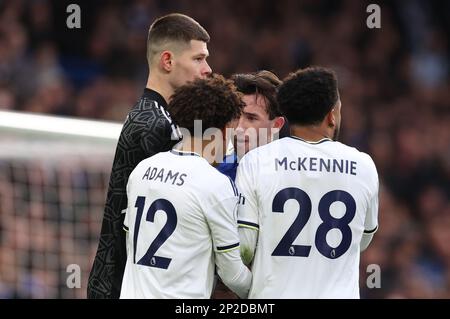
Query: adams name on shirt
[164, 176]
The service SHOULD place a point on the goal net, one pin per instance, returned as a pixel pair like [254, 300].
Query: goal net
[54, 174]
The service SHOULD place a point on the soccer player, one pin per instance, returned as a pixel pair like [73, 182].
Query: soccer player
[310, 203]
[260, 122]
[176, 53]
[181, 214]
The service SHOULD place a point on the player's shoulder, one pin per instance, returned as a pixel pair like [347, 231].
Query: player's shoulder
[264, 150]
[220, 180]
[158, 158]
[351, 149]
[150, 106]
[212, 182]
[261, 156]
[362, 157]
[196, 165]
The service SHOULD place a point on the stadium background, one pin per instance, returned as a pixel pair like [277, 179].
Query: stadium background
[395, 92]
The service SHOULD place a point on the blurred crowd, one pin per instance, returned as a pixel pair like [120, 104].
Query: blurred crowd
[50, 216]
[394, 85]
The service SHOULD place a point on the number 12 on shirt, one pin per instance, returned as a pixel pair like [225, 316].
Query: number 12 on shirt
[150, 259]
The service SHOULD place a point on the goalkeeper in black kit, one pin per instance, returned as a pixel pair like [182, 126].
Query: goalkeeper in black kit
[176, 53]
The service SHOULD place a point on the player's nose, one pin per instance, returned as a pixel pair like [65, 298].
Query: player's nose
[241, 125]
[240, 130]
[206, 70]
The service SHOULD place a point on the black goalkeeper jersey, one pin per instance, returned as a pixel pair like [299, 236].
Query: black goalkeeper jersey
[147, 130]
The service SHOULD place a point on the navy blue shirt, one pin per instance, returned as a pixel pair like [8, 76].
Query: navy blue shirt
[229, 166]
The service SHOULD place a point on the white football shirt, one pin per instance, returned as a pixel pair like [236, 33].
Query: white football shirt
[181, 212]
[311, 203]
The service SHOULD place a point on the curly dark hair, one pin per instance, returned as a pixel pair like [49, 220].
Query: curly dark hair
[264, 83]
[307, 95]
[215, 101]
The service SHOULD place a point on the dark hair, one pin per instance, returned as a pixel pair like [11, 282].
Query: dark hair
[307, 95]
[264, 83]
[215, 101]
[174, 27]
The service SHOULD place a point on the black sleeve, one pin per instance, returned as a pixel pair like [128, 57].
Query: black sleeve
[105, 279]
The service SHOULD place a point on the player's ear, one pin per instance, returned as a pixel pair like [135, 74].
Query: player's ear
[331, 118]
[278, 122]
[335, 114]
[166, 61]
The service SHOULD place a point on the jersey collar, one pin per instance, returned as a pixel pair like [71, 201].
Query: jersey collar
[184, 153]
[155, 96]
[326, 139]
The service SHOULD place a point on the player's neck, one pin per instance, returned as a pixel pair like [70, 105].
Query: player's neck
[199, 147]
[311, 133]
[160, 86]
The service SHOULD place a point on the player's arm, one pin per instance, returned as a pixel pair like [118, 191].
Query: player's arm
[366, 239]
[107, 270]
[370, 224]
[230, 267]
[371, 220]
[126, 214]
[233, 272]
[248, 238]
[247, 212]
